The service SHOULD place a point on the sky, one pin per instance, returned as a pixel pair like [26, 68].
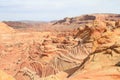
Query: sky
[47, 10]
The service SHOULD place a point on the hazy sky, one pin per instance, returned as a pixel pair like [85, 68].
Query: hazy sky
[46, 10]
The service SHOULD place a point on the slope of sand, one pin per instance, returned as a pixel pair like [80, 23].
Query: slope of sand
[4, 28]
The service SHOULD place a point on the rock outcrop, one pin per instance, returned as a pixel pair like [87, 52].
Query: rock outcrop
[101, 62]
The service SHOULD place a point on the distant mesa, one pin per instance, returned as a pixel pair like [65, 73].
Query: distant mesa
[87, 18]
[66, 24]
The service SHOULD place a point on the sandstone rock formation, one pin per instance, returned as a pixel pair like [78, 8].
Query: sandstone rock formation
[102, 61]
[90, 51]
